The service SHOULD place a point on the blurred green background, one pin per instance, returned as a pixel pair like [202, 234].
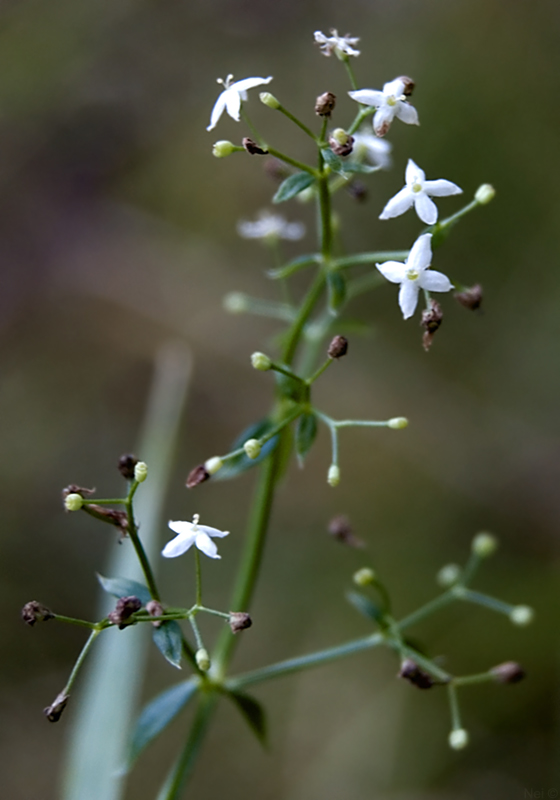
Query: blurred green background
[117, 235]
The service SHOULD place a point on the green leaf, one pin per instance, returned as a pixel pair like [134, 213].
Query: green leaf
[291, 388]
[235, 466]
[157, 715]
[332, 159]
[253, 712]
[365, 606]
[336, 284]
[294, 266]
[356, 167]
[125, 587]
[306, 431]
[293, 185]
[168, 638]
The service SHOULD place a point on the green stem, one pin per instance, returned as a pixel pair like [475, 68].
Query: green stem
[454, 707]
[291, 161]
[319, 371]
[81, 622]
[427, 610]
[481, 677]
[139, 548]
[350, 72]
[483, 600]
[81, 658]
[303, 315]
[370, 258]
[111, 502]
[298, 122]
[198, 577]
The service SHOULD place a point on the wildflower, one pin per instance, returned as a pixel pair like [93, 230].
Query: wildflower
[341, 46]
[230, 99]
[390, 103]
[414, 275]
[377, 151]
[190, 533]
[271, 227]
[417, 192]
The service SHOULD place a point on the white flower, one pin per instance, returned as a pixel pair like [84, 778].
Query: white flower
[376, 150]
[230, 99]
[390, 103]
[414, 275]
[190, 533]
[341, 46]
[270, 226]
[416, 192]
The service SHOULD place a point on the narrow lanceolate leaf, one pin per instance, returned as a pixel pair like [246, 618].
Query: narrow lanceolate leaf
[294, 266]
[365, 606]
[168, 638]
[356, 167]
[157, 715]
[253, 712]
[125, 587]
[235, 466]
[332, 159]
[306, 431]
[293, 185]
[336, 284]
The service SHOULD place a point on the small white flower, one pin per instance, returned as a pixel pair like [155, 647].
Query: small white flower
[417, 192]
[341, 46]
[230, 99]
[390, 103]
[414, 275]
[377, 151]
[271, 226]
[190, 533]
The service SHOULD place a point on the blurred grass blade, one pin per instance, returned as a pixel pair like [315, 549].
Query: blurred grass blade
[98, 739]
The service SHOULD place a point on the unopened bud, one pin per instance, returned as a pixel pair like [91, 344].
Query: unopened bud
[269, 100]
[408, 84]
[522, 615]
[33, 612]
[239, 621]
[202, 659]
[253, 148]
[412, 673]
[73, 502]
[340, 528]
[364, 577]
[338, 347]
[508, 672]
[261, 362]
[126, 465]
[236, 302]
[449, 575]
[397, 423]
[213, 465]
[341, 143]
[141, 471]
[223, 148]
[333, 476]
[471, 297]
[324, 104]
[458, 739]
[54, 711]
[155, 609]
[197, 475]
[252, 447]
[484, 545]
[484, 194]
[123, 611]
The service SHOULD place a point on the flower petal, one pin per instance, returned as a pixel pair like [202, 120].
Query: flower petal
[408, 297]
[394, 271]
[206, 545]
[407, 113]
[398, 204]
[420, 256]
[434, 281]
[233, 103]
[413, 173]
[382, 119]
[441, 188]
[217, 111]
[249, 83]
[213, 531]
[180, 526]
[368, 97]
[394, 88]
[425, 208]
[179, 545]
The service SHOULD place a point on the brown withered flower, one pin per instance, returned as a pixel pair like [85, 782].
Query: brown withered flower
[252, 147]
[125, 608]
[431, 321]
[508, 672]
[126, 465]
[239, 621]
[54, 711]
[340, 529]
[471, 297]
[338, 347]
[197, 475]
[34, 611]
[325, 103]
[412, 673]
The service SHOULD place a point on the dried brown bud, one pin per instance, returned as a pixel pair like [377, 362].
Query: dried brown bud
[125, 608]
[73, 488]
[117, 518]
[252, 147]
[338, 347]
[340, 529]
[408, 84]
[412, 673]
[276, 169]
[197, 475]
[431, 320]
[54, 711]
[155, 609]
[126, 465]
[357, 190]
[325, 103]
[33, 612]
[508, 672]
[470, 297]
[239, 621]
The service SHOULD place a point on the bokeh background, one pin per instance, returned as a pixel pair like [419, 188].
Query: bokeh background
[118, 235]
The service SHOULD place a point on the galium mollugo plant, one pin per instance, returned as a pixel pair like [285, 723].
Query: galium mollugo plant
[311, 342]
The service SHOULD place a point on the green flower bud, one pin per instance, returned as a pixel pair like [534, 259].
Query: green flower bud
[397, 423]
[458, 739]
[364, 577]
[269, 100]
[252, 447]
[484, 194]
[333, 476]
[212, 465]
[340, 136]
[484, 545]
[236, 303]
[261, 362]
[522, 615]
[223, 148]
[202, 659]
[73, 502]
[449, 574]
[140, 471]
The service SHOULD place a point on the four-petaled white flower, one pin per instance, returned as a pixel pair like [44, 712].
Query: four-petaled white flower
[376, 150]
[341, 46]
[270, 226]
[414, 275]
[416, 192]
[390, 103]
[230, 99]
[190, 533]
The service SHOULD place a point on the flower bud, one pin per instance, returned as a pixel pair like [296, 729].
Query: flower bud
[197, 475]
[212, 465]
[449, 575]
[333, 476]
[408, 85]
[397, 423]
[54, 711]
[155, 609]
[236, 303]
[252, 447]
[73, 502]
[508, 672]
[412, 673]
[484, 194]
[223, 148]
[202, 659]
[340, 142]
[261, 362]
[338, 347]
[522, 615]
[325, 103]
[126, 465]
[471, 297]
[364, 577]
[458, 739]
[141, 472]
[269, 100]
[340, 529]
[484, 545]
[123, 611]
[239, 621]
[33, 612]
[252, 147]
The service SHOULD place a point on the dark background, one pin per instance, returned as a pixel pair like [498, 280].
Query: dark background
[117, 233]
